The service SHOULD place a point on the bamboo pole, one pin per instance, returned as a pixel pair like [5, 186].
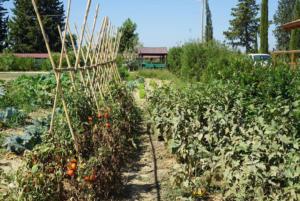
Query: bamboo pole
[57, 76]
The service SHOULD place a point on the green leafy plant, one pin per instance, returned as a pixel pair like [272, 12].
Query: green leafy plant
[236, 134]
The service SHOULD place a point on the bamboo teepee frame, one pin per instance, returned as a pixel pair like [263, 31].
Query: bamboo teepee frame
[95, 64]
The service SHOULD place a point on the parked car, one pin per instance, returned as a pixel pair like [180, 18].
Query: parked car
[261, 59]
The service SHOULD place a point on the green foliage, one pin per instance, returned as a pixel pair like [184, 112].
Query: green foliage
[193, 60]
[237, 134]
[3, 25]
[24, 34]
[295, 35]
[30, 93]
[209, 35]
[264, 27]
[9, 62]
[284, 14]
[244, 25]
[174, 60]
[130, 38]
[103, 151]
[142, 91]
[10, 117]
[29, 139]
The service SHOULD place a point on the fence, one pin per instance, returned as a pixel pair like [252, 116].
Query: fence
[95, 66]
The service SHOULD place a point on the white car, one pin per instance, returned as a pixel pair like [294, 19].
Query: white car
[262, 59]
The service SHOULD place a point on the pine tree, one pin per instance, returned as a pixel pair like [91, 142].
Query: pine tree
[24, 30]
[209, 26]
[283, 15]
[295, 36]
[244, 25]
[264, 27]
[3, 26]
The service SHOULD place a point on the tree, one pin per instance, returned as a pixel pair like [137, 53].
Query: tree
[283, 15]
[295, 35]
[129, 39]
[24, 30]
[3, 25]
[264, 27]
[244, 25]
[209, 26]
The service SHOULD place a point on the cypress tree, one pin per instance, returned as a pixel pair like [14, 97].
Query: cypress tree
[209, 26]
[264, 27]
[283, 15]
[244, 25]
[295, 36]
[3, 25]
[25, 34]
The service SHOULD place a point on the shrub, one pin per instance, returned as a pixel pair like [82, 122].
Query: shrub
[195, 61]
[174, 59]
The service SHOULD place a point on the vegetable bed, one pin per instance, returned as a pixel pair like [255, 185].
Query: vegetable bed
[236, 135]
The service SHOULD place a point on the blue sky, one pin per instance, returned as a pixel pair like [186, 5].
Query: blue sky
[165, 22]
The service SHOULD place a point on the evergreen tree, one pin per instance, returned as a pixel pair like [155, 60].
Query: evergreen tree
[244, 25]
[295, 36]
[130, 38]
[264, 27]
[3, 25]
[24, 31]
[283, 15]
[209, 26]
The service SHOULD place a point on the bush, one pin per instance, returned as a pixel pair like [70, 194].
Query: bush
[174, 59]
[9, 62]
[192, 59]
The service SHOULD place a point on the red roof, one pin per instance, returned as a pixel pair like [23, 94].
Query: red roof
[291, 25]
[153, 50]
[32, 55]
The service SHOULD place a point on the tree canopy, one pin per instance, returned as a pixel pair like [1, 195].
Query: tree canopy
[24, 31]
[283, 15]
[130, 38]
[244, 25]
[295, 36]
[264, 27]
[209, 26]
[3, 25]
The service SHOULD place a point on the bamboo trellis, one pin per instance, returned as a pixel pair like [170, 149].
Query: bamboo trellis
[95, 66]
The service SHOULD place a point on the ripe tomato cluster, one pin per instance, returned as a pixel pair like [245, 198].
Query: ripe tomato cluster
[72, 167]
[100, 117]
[90, 178]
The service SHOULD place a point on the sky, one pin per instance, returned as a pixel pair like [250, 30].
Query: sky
[165, 22]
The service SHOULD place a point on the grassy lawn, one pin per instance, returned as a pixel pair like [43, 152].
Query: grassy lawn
[13, 75]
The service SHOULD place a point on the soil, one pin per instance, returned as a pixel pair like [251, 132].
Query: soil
[148, 175]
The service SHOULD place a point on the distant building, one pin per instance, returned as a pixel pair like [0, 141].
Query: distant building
[153, 57]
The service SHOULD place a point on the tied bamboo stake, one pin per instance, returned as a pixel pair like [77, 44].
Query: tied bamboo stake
[56, 75]
[98, 54]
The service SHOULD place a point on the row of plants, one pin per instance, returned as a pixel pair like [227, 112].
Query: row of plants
[29, 93]
[235, 134]
[56, 170]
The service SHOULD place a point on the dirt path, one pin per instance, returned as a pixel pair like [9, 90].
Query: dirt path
[149, 173]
